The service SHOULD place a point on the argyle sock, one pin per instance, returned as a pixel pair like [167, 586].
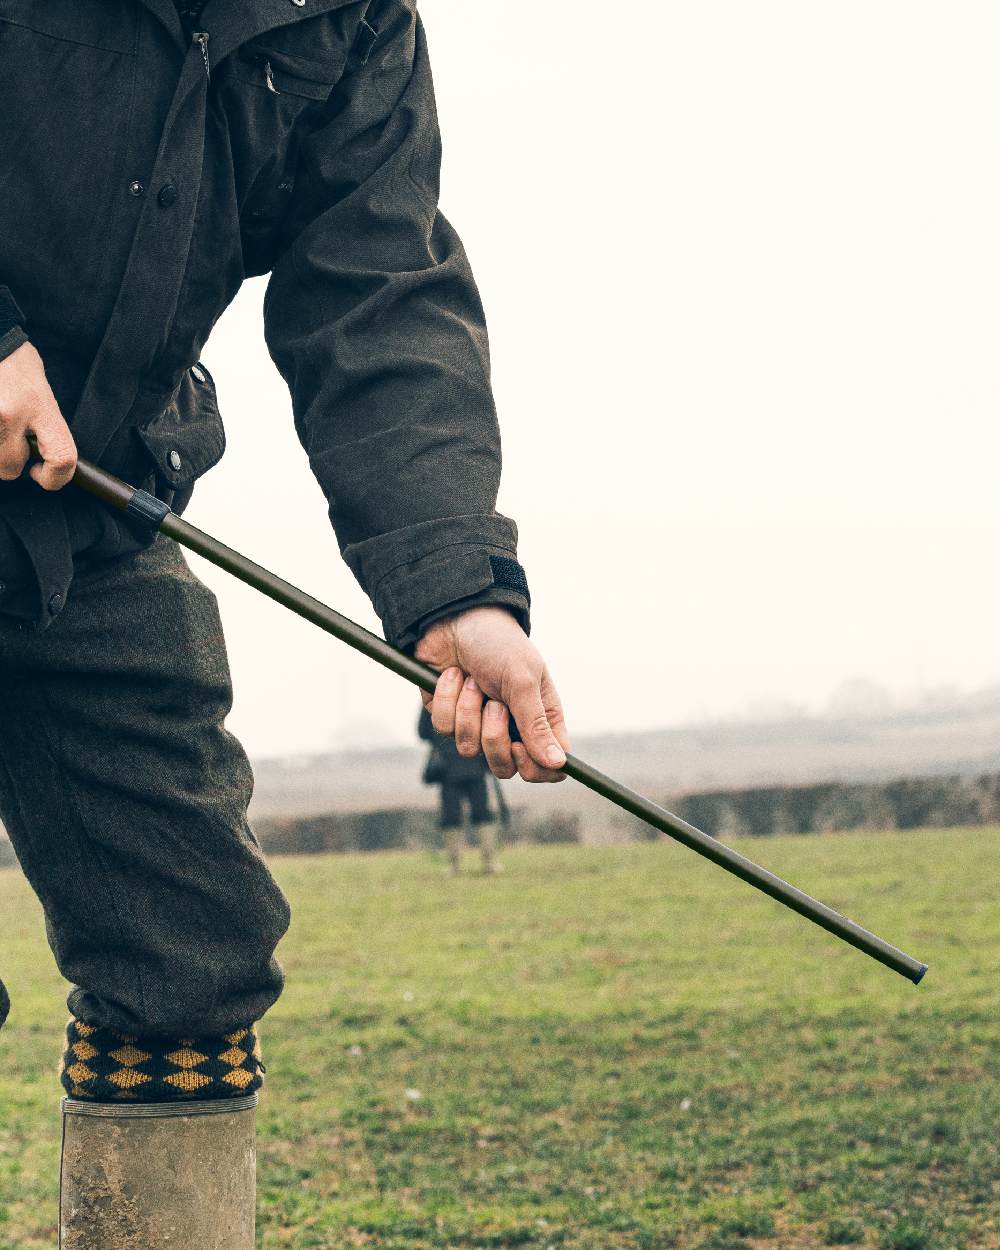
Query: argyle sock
[105, 1066]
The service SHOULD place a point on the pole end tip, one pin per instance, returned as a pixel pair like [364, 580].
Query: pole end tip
[919, 976]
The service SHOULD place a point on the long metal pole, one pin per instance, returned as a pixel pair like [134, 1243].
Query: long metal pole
[155, 514]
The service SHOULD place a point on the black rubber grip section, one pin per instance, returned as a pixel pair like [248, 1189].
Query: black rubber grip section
[148, 509]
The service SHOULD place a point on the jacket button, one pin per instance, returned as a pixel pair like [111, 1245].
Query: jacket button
[168, 196]
[299, 4]
[199, 374]
[135, 187]
[174, 460]
[3, 589]
[55, 603]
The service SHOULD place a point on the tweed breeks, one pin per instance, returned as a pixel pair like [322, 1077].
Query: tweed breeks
[126, 800]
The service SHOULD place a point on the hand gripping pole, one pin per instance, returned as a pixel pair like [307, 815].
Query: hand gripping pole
[154, 513]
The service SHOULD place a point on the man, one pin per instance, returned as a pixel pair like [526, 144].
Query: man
[462, 781]
[153, 153]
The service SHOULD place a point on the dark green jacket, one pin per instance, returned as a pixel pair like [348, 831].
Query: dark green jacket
[143, 176]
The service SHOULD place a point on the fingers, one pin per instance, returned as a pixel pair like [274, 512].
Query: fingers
[457, 708]
[496, 740]
[28, 407]
[469, 718]
[544, 741]
[14, 452]
[446, 692]
[56, 448]
[525, 692]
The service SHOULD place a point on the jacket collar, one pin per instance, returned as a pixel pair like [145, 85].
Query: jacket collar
[231, 23]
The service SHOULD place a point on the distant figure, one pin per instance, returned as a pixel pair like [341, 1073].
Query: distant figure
[462, 780]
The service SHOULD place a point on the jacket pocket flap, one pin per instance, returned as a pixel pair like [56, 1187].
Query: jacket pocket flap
[187, 438]
[289, 73]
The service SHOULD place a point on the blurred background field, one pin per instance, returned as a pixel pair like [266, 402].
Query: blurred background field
[605, 1048]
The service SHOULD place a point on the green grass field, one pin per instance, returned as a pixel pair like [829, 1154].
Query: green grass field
[605, 1048]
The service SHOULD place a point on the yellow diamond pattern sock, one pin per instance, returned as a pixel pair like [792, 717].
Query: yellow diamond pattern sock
[106, 1066]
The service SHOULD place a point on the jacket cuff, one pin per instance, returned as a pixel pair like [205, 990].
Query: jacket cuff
[10, 311]
[11, 340]
[436, 567]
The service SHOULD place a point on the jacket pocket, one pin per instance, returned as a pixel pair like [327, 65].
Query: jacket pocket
[288, 73]
[186, 439]
[274, 90]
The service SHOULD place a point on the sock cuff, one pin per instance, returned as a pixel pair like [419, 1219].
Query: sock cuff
[106, 1066]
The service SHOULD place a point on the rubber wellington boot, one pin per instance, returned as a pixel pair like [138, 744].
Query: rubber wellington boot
[158, 1176]
[488, 848]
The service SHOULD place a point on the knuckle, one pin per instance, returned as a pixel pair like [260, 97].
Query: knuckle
[493, 735]
[524, 681]
[61, 455]
[502, 768]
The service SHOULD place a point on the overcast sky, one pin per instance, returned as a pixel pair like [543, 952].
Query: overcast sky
[741, 268]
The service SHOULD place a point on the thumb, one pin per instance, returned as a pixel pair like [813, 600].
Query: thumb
[535, 725]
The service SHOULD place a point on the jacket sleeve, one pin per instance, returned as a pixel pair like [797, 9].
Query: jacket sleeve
[373, 318]
[12, 333]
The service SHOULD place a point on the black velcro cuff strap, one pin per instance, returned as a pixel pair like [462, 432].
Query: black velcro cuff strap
[509, 574]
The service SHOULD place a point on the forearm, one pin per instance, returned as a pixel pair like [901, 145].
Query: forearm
[373, 317]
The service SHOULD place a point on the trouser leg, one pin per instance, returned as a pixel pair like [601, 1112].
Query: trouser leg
[126, 800]
[482, 818]
[454, 840]
[487, 831]
[452, 825]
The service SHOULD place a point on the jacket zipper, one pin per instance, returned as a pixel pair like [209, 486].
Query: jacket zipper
[262, 60]
[200, 37]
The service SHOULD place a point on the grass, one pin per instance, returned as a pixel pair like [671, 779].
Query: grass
[604, 1049]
